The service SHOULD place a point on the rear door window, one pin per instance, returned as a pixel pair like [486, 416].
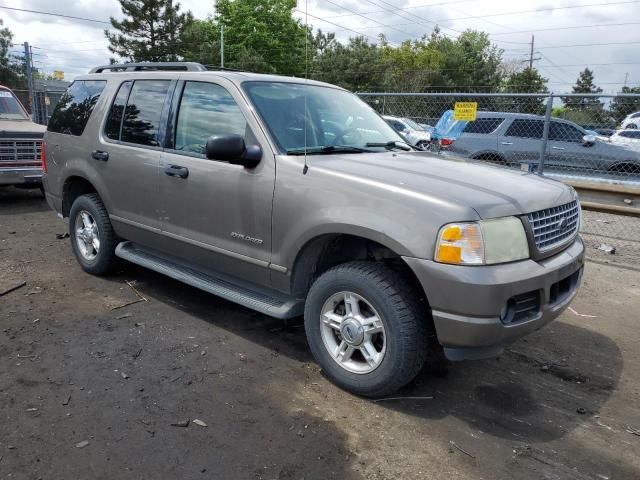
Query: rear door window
[483, 125]
[526, 129]
[75, 107]
[143, 112]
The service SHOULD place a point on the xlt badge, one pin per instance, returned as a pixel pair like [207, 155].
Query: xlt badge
[246, 238]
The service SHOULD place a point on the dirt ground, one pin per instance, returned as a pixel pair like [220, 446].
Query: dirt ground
[91, 392]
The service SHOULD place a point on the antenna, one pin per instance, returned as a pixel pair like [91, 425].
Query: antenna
[306, 77]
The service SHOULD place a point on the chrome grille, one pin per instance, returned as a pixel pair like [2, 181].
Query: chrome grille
[20, 152]
[554, 226]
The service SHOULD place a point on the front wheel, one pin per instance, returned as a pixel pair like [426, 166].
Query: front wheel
[366, 328]
[92, 237]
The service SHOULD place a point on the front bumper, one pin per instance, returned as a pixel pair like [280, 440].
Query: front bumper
[468, 303]
[20, 176]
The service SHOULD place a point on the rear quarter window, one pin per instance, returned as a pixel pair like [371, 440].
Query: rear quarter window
[74, 109]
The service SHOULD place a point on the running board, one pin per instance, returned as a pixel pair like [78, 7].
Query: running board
[278, 305]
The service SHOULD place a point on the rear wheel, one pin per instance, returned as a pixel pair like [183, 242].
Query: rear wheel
[92, 237]
[632, 126]
[366, 328]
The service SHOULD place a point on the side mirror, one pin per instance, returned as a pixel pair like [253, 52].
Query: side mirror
[232, 149]
[588, 140]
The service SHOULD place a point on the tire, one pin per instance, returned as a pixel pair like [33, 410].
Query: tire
[407, 331]
[97, 259]
[632, 126]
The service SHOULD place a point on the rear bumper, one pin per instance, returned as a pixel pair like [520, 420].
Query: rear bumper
[20, 176]
[469, 303]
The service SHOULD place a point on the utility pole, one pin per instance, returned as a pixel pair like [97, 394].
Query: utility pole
[626, 78]
[531, 53]
[221, 47]
[29, 72]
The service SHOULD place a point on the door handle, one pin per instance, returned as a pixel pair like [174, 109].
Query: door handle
[557, 148]
[100, 155]
[506, 143]
[176, 171]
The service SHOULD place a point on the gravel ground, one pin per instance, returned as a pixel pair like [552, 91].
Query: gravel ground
[90, 390]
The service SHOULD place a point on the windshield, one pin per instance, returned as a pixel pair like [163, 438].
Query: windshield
[332, 118]
[10, 109]
[412, 124]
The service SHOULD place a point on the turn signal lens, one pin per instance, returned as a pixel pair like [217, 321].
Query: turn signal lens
[460, 243]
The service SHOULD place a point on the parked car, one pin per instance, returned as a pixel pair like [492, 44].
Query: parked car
[411, 131]
[513, 138]
[604, 132]
[627, 138]
[20, 144]
[394, 256]
[631, 121]
[597, 136]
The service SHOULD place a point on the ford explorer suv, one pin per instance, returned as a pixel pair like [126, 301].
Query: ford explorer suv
[514, 138]
[293, 197]
[20, 144]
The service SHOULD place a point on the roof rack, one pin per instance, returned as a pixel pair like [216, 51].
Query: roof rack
[151, 66]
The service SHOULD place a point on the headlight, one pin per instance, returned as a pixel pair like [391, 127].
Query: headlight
[485, 242]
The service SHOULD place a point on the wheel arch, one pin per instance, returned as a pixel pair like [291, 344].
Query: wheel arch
[328, 250]
[73, 187]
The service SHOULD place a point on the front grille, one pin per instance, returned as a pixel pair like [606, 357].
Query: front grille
[23, 153]
[554, 226]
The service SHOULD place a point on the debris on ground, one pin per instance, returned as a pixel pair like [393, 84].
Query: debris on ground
[34, 291]
[607, 248]
[200, 423]
[82, 444]
[141, 298]
[68, 399]
[454, 445]
[124, 375]
[62, 236]
[428, 397]
[581, 410]
[632, 431]
[12, 288]
[572, 310]
[123, 316]
[183, 423]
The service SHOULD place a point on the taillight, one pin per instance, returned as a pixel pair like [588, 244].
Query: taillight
[446, 142]
[43, 157]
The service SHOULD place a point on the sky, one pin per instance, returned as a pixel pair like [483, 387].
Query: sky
[569, 34]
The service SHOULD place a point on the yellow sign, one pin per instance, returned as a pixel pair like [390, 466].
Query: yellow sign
[58, 75]
[466, 111]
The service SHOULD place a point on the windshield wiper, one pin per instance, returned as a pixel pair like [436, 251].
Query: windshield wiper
[393, 144]
[326, 150]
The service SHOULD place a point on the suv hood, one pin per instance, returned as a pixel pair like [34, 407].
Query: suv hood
[490, 190]
[21, 127]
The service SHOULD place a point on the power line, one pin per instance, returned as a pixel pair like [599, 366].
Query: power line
[55, 15]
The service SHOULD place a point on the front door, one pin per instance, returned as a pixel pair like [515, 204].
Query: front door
[567, 152]
[214, 214]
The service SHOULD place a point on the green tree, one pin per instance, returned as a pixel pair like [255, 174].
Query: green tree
[355, 66]
[623, 106]
[201, 42]
[527, 80]
[584, 84]
[11, 72]
[262, 35]
[151, 31]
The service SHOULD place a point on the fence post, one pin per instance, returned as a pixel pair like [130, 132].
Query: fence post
[545, 134]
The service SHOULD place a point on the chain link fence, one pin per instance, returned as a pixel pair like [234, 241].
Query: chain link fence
[581, 139]
[44, 102]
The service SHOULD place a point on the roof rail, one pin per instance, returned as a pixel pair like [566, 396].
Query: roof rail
[151, 66]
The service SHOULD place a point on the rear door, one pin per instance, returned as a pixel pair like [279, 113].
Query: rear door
[218, 215]
[129, 155]
[480, 139]
[522, 141]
